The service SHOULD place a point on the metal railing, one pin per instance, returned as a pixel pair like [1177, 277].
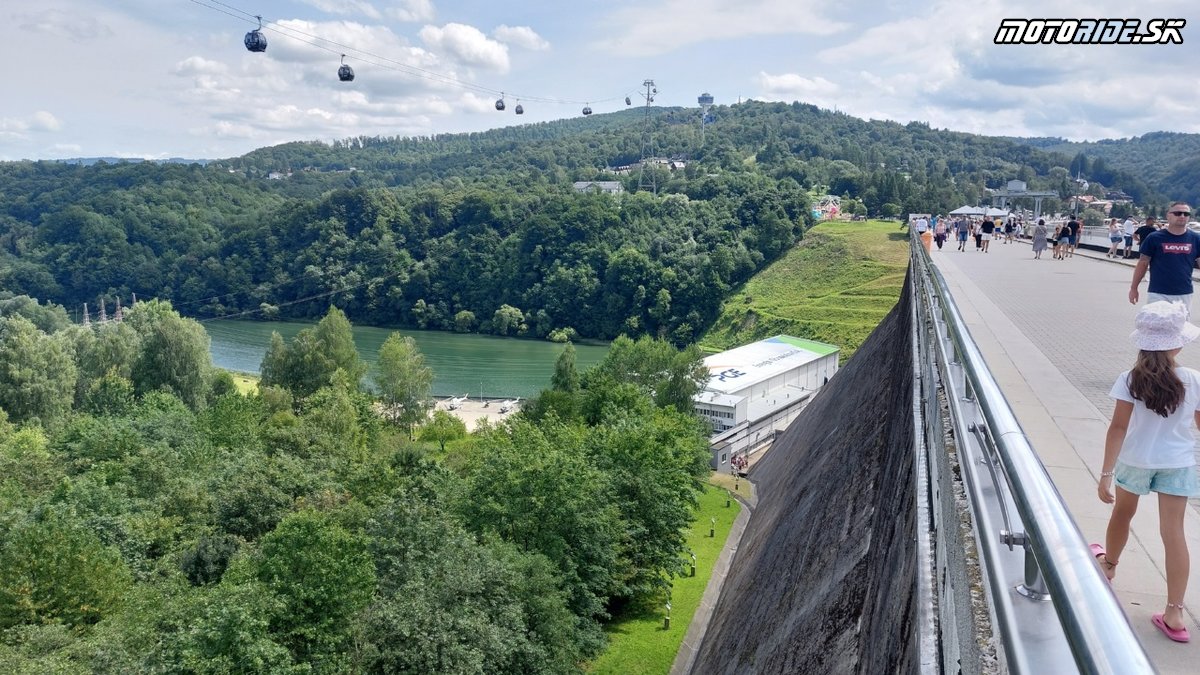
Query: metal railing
[1052, 609]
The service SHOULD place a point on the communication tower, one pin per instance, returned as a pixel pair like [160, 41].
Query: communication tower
[647, 180]
[705, 100]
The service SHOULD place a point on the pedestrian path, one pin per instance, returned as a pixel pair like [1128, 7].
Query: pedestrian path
[1055, 335]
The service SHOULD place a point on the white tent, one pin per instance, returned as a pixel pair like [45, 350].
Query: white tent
[994, 213]
[967, 211]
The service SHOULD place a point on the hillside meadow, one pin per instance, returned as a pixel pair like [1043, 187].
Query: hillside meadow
[834, 286]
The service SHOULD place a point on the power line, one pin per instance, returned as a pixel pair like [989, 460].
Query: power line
[381, 61]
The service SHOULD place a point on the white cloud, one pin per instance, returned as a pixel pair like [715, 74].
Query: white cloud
[358, 7]
[797, 87]
[198, 65]
[58, 22]
[467, 45]
[521, 36]
[412, 11]
[44, 121]
[648, 30]
[18, 127]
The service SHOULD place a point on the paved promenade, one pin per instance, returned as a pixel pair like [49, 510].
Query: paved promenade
[1055, 335]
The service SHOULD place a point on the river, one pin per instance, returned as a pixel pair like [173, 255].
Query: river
[461, 363]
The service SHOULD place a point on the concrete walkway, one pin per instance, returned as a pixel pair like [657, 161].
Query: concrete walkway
[1056, 335]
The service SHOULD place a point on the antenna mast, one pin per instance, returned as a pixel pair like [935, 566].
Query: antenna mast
[648, 180]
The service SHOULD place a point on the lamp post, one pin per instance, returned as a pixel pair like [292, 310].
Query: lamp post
[667, 618]
[712, 526]
[693, 563]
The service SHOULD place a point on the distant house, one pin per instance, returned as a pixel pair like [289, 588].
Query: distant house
[610, 187]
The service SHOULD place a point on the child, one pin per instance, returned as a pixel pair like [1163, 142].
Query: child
[1149, 449]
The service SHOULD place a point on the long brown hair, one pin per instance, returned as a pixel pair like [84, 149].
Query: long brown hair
[1153, 381]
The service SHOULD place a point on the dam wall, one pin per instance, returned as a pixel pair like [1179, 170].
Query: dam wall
[824, 577]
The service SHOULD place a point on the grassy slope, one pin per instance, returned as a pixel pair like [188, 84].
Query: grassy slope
[835, 286]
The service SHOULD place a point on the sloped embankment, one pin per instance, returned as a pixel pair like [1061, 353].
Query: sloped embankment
[823, 580]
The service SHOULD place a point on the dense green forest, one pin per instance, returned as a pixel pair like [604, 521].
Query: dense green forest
[483, 231]
[152, 519]
[1169, 161]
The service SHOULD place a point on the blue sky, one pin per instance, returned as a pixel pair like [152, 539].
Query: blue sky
[170, 78]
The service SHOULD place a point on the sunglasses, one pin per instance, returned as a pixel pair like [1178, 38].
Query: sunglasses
[1181, 213]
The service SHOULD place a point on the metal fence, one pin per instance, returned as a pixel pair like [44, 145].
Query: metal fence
[1048, 607]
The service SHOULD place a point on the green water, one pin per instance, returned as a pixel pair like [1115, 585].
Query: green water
[461, 363]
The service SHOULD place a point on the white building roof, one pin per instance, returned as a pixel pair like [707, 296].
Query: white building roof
[717, 398]
[737, 369]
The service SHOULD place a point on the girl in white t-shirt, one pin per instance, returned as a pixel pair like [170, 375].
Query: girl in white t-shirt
[1150, 448]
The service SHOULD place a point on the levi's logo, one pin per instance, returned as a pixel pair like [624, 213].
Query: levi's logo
[1179, 247]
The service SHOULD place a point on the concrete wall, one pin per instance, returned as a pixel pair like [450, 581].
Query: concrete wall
[823, 581]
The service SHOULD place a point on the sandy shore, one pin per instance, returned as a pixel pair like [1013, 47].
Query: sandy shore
[472, 412]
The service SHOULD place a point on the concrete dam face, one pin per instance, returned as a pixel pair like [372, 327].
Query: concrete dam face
[824, 577]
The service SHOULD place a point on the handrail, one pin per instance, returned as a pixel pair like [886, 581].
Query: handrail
[1092, 624]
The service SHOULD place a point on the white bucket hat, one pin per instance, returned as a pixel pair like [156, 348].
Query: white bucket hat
[1163, 326]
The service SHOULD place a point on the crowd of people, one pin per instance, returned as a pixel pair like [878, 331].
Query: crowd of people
[1149, 446]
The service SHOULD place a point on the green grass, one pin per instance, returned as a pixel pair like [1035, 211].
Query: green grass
[835, 286]
[638, 644]
[246, 384]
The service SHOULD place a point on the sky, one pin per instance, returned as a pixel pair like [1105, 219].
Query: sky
[171, 78]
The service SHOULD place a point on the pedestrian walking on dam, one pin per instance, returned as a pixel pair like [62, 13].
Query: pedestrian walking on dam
[1040, 234]
[1149, 448]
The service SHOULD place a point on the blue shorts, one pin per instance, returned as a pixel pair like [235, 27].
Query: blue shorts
[1179, 482]
[1129, 240]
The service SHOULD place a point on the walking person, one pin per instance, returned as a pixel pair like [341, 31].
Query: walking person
[1062, 235]
[939, 232]
[1039, 238]
[988, 227]
[1127, 230]
[1076, 228]
[1170, 255]
[1148, 448]
[963, 231]
[978, 234]
[1114, 238]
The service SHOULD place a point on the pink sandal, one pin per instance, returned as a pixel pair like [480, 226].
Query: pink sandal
[1098, 551]
[1176, 634]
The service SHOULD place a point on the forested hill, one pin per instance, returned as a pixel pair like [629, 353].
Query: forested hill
[483, 231]
[1168, 161]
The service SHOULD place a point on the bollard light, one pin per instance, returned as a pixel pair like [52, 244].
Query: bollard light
[667, 618]
[712, 527]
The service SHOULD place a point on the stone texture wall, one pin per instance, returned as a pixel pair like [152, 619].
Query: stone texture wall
[823, 581]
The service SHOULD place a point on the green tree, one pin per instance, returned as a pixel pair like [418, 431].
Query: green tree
[324, 576]
[508, 319]
[314, 356]
[52, 569]
[464, 321]
[535, 487]
[174, 354]
[404, 381]
[565, 377]
[672, 376]
[37, 374]
[447, 603]
[442, 428]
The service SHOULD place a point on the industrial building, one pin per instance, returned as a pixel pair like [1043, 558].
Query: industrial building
[756, 390]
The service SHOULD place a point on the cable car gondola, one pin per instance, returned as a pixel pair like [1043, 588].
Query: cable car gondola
[519, 110]
[255, 41]
[345, 73]
[500, 102]
[587, 110]
[627, 101]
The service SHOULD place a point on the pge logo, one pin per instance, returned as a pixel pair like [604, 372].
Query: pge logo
[729, 374]
[1090, 31]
